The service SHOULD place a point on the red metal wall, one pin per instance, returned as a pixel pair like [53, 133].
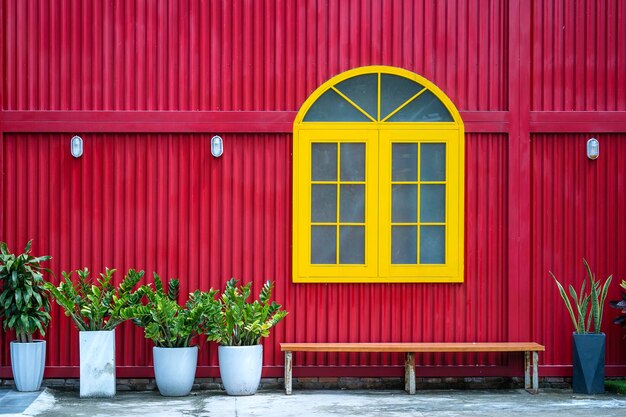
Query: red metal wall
[241, 54]
[578, 211]
[146, 84]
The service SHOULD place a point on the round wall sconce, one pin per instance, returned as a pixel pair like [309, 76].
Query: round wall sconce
[217, 146]
[76, 146]
[593, 148]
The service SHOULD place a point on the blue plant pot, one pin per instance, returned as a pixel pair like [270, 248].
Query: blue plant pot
[588, 361]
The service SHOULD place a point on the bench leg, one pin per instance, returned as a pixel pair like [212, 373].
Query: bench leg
[288, 357]
[531, 362]
[409, 373]
[536, 372]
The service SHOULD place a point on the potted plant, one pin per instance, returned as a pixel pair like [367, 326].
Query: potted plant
[25, 308]
[620, 305]
[95, 307]
[588, 343]
[173, 328]
[241, 325]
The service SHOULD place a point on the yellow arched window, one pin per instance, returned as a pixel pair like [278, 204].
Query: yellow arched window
[378, 181]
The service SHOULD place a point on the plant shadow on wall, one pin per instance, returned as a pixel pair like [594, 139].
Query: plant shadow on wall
[588, 343]
[95, 308]
[25, 308]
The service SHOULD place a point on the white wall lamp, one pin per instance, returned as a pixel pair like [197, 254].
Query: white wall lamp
[217, 146]
[593, 148]
[76, 146]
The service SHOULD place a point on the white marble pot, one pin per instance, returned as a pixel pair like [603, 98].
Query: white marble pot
[97, 363]
[240, 368]
[27, 362]
[175, 370]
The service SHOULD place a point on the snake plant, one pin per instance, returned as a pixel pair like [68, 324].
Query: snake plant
[586, 320]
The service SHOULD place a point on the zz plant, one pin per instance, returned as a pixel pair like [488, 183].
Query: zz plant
[241, 323]
[96, 305]
[584, 318]
[165, 321]
[24, 301]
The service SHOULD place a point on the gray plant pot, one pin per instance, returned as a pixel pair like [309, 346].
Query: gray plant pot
[27, 362]
[240, 368]
[588, 361]
[175, 370]
[97, 363]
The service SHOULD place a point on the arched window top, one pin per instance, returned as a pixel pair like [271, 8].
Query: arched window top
[378, 94]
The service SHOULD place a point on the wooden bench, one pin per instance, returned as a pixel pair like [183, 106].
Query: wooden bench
[530, 350]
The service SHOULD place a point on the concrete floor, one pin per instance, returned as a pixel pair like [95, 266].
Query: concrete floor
[333, 403]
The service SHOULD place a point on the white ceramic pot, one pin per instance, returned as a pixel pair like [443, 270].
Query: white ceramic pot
[175, 370]
[97, 363]
[28, 361]
[240, 368]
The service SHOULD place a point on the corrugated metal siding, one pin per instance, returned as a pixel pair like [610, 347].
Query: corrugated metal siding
[242, 54]
[162, 203]
[578, 211]
[155, 202]
[579, 55]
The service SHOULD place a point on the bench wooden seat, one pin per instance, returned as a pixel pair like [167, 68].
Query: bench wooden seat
[530, 349]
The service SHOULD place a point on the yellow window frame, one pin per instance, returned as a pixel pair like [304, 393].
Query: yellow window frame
[378, 135]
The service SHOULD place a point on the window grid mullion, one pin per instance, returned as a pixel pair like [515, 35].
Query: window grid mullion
[338, 241]
[419, 194]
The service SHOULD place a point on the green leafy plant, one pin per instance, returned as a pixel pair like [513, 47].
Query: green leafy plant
[242, 323]
[96, 305]
[167, 323]
[620, 305]
[24, 301]
[582, 316]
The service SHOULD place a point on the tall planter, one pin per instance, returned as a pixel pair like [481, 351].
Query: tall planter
[97, 363]
[240, 368]
[588, 361]
[27, 362]
[175, 369]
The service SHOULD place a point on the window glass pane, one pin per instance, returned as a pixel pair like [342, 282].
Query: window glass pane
[352, 245]
[363, 91]
[404, 245]
[433, 203]
[404, 203]
[324, 161]
[394, 91]
[425, 108]
[352, 203]
[331, 107]
[323, 203]
[404, 162]
[432, 244]
[352, 162]
[433, 162]
[323, 245]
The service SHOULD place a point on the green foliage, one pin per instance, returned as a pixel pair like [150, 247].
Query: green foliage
[167, 323]
[616, 385]
[96, 305]
[620, 305]
[583, 317]
[241, 323]
[24, 300]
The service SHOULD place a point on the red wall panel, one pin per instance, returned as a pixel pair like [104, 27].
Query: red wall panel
[163, 203]
[578, 211]
[579, 55]
[241, 54]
